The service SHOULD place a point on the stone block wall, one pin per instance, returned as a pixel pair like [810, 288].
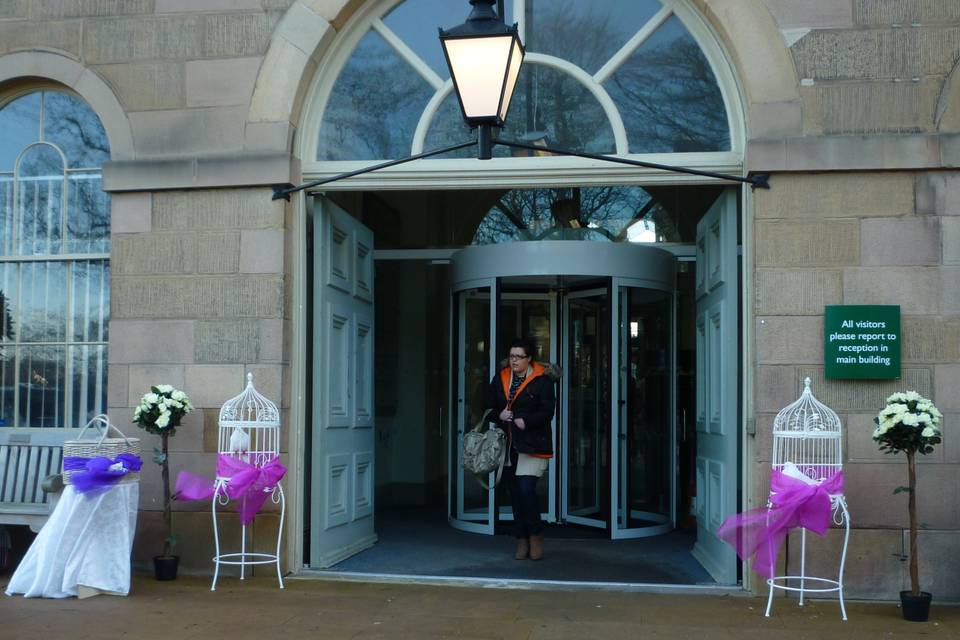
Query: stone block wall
[872, 66]
[197, 301]
[865, 238]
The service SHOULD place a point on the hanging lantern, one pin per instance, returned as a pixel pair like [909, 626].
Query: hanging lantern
[484, 56]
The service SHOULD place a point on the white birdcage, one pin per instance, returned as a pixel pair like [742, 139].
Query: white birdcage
[808, 444]
[249, 430]
[249, 427]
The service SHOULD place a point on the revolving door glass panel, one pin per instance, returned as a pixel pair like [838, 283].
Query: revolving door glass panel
[533, 315]
[471, 506]
[586, 400]
[644, 496]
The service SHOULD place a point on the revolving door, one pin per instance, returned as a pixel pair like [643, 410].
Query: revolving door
[606, 315]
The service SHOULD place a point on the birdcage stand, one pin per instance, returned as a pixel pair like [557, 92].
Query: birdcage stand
[841, 517]
[244, 558]
[807, 444]
[248, 438]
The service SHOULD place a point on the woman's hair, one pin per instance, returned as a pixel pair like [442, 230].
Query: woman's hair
[526, 344]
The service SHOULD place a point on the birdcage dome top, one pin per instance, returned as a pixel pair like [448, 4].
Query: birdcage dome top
[807, 417]
[250, 407]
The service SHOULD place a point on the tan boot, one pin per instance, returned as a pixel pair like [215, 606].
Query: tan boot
[523, 549]
[536, 547]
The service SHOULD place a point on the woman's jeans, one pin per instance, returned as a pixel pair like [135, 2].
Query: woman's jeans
[523, 497]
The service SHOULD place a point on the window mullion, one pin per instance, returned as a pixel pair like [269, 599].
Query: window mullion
[14, 212]
[408, 55]
[36, 211]
[102, 373]
[67, 350]
[64, 190]
[520, 17]
[16, 349]
[621, 56]
[49, 199]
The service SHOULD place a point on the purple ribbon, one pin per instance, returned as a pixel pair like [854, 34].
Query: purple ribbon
[96, 475]
[245, 482]
[794, 503]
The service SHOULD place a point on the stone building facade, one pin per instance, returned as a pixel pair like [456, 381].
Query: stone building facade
[853, 106]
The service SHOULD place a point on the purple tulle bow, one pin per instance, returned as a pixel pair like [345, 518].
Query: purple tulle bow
[96, 475]
[249, 484]
[759, 533]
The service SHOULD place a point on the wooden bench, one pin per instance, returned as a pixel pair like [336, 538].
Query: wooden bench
[27, 458]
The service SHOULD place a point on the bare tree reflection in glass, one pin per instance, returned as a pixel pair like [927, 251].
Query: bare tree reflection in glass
[72, 126]
[42, 341]
[374, 107]
[668, 96]
[602, 213]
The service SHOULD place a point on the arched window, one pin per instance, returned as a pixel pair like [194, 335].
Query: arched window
[54, 261]
[605, 76]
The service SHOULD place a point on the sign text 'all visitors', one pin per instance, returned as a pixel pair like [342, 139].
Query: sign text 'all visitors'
[862, 342]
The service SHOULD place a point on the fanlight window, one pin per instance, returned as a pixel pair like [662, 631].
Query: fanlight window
[54, 262]
[605, 76]
[604, 214]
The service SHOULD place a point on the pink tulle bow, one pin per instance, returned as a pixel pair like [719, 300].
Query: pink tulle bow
[759, 533]
[249, 484]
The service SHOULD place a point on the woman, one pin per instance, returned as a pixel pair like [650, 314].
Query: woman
[522, 398]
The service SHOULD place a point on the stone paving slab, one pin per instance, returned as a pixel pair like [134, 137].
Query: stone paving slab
[186, 609]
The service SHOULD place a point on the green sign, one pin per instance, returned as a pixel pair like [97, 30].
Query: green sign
[861, 342]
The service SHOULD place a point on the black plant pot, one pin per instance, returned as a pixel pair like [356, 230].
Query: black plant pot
[165, 567]
[915, 608]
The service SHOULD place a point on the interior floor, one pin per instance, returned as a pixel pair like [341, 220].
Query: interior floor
[419, 542]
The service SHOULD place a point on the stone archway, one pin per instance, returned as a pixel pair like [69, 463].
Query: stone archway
[87, 84]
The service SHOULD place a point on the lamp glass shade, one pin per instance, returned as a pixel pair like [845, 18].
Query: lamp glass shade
[513, 72]
[484, 71]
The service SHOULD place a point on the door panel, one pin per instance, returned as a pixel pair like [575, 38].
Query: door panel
[717, 428]
[534, 316]
[471, 506]
[644, 490]
[585, 399]
[341, 518]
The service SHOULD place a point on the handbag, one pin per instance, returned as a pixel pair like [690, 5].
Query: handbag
[484, 450]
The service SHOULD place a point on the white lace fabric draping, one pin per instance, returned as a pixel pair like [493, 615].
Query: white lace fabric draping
[85, 542]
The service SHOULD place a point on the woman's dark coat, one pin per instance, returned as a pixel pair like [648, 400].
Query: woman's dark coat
[535, 403]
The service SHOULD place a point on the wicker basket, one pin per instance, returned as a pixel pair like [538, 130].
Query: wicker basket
[106, 447]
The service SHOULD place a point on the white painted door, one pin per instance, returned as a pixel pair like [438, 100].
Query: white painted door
[717, 424]
[342, 483]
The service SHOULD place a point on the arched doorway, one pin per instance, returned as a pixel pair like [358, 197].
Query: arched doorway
[366, 106]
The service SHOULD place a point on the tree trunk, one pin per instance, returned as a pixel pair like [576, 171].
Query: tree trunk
[914, 572]
[168, 524]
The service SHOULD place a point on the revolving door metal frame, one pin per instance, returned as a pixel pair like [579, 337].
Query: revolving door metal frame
[621, 267]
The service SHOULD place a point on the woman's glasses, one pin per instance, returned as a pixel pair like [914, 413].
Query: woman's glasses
[517, 356]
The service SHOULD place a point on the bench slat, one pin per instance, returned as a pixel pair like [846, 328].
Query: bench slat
[22, 470]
